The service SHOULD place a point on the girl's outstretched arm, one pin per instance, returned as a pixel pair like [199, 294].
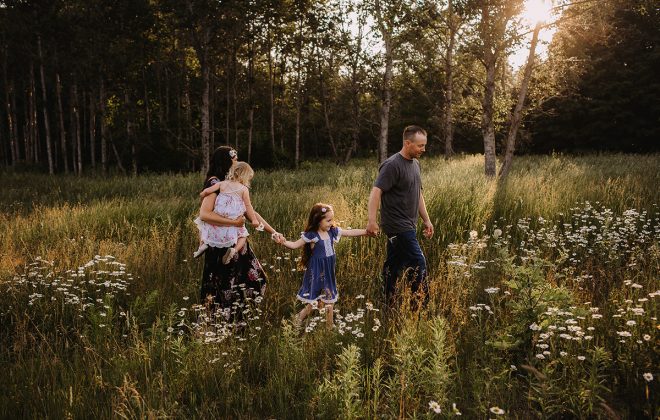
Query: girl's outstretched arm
[249, 210]
[353, 232]
[294, 245]
[267, 227]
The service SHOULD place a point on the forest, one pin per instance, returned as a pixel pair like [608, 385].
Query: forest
[142, 86]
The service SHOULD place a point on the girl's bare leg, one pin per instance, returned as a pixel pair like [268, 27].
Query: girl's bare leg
[304, 313]
[329, 322]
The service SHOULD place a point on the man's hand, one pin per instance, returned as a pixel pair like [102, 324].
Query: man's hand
[372, 229]
[428, 229]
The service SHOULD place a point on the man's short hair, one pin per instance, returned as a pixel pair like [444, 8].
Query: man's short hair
[410, 132]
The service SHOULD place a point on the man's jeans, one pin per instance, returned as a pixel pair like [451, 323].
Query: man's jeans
[404, 253]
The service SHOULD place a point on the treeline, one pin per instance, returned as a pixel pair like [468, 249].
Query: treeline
[155, 85]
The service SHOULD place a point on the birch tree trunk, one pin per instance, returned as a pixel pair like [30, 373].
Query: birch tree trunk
[11, 117]
[33, 138]
[44, 105]
[104, 144]
[130, 136]
[487, 125]
[63, 145]
[387, 99]
[271, 88]
[449, 85]
[326, 114]
[78, 142]
[206, 81]
[516, 117]
[92, 129]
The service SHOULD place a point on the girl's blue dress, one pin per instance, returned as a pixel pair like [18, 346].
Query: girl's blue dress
[319, 282]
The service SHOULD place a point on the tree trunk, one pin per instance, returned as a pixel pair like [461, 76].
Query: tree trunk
[92, 129]
[104, 135]
[449, 85]
[147, 108]
[129, 135]
[234, 97]
[271, 86]
[114, 149]
[250, 81]
[206, 81]
[228, 113]
[516, 117]
[11, 117]
[78, 130]
[33, 127]
[487, 125]
[326, 116]
[63, 145]
[387, 99]
[44, 97]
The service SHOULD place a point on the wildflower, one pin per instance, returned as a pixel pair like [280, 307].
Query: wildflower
[186, 298]
[646, 337]
[535, 327]
[492, 290]
[170, 329]
[513, 367]
[624, 333]
[497, 233]
[596, 316]
[631, 323]
[648, 376]
[433, 405]
[563, 353]
[540, 356]
[497, 411]
[455, 410]
[473, 234]
[359, 297]
[581, 358]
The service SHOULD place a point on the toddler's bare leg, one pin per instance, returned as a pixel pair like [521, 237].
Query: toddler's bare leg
[240, 243]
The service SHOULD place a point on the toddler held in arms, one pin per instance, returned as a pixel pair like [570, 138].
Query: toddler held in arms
[233, 201]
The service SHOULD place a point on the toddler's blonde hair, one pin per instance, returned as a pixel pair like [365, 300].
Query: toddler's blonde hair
[241, 172]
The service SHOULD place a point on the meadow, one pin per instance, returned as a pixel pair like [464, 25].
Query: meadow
[543, 299]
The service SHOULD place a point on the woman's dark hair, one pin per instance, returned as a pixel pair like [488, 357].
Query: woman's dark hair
[316, 214]
[221, 162]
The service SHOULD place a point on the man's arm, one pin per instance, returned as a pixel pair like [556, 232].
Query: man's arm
[372, 211]
[428, 226]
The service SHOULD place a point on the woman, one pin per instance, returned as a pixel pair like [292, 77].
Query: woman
[243, 277]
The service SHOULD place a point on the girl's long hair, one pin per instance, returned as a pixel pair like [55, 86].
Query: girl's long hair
[316, 214]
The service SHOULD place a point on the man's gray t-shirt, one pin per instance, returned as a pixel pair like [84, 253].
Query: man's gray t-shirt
[401, 182]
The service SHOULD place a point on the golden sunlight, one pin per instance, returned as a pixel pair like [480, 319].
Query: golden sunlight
[537, 11]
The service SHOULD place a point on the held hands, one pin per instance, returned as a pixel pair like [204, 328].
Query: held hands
[372, 228]
[428, 229]
[278, 237]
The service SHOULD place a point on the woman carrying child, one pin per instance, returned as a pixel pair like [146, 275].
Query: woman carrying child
[319, 284]
[243, 276]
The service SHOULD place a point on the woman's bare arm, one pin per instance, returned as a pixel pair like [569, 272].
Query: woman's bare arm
[207, 214]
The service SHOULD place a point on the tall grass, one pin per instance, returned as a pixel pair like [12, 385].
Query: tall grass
[566, 245]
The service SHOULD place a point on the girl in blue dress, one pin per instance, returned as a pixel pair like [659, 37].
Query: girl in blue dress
[319, 285]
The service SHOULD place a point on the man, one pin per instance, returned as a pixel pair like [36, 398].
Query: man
[398, 191]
